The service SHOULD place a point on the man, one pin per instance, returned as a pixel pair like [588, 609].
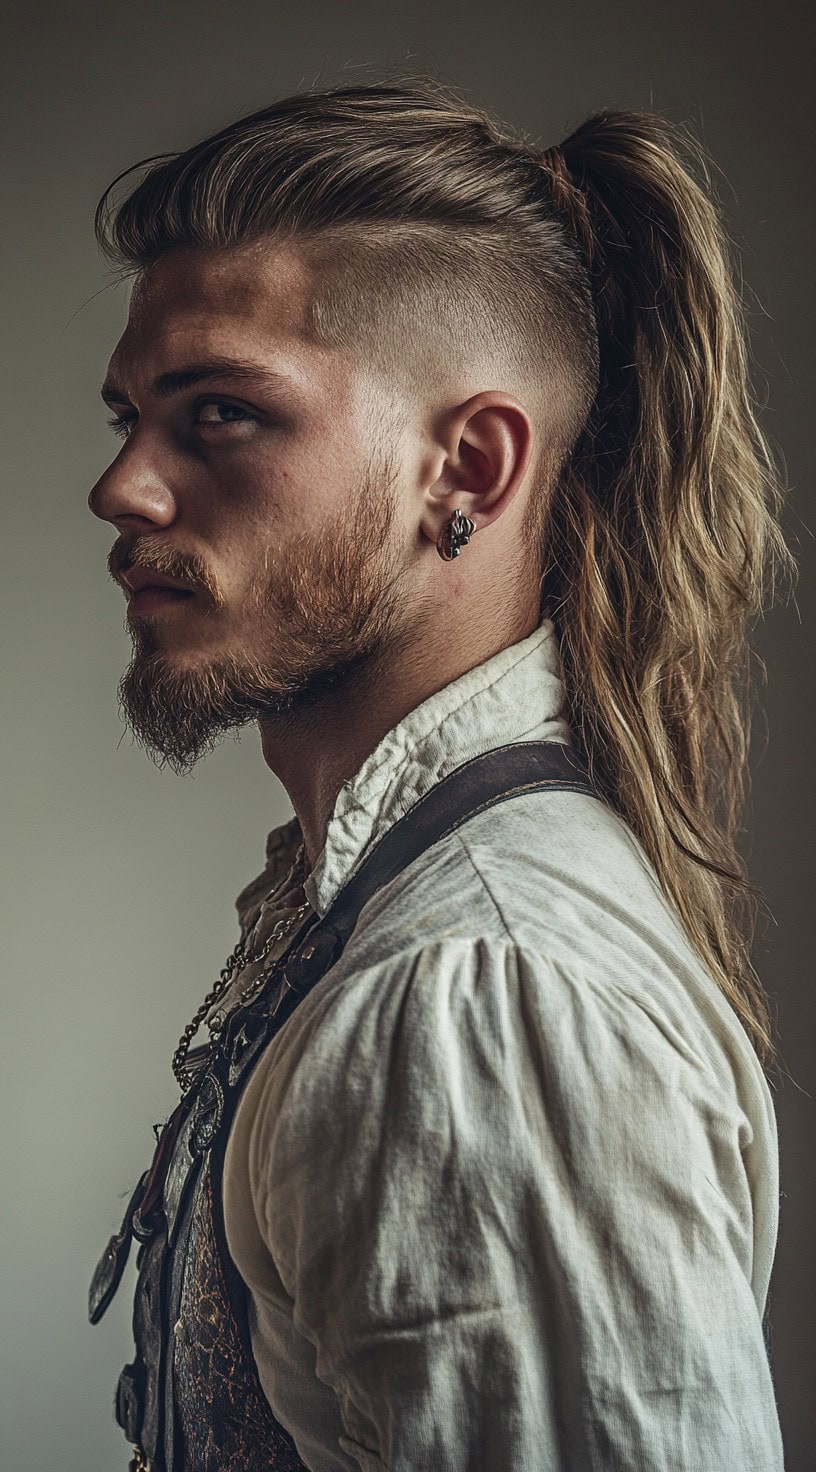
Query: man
[451, 494]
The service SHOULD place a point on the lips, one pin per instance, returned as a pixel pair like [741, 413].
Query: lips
[154, 599]
[138, 579]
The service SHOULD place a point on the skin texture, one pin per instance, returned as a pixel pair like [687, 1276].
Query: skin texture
[304, 514]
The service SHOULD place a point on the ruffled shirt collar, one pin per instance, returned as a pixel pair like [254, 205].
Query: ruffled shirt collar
[515, 695]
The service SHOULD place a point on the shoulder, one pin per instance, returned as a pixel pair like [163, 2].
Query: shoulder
[486, 994]
[489, 1045]
[559, 874]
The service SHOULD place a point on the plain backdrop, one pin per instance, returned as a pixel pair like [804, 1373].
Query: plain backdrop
[119, 879]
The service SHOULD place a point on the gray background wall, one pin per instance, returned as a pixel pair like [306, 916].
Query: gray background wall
[118, 880]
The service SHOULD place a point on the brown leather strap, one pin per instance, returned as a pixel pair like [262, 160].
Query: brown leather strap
[480, 783]
[492, 777]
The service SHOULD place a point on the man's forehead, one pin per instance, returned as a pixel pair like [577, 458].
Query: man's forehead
[249, 277]
[214, 304]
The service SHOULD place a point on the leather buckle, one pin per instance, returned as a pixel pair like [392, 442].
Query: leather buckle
[128, 1401]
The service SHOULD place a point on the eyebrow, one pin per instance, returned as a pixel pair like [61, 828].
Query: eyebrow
[178, 379]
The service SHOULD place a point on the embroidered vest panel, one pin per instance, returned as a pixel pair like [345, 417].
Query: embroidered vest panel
[226, 1421]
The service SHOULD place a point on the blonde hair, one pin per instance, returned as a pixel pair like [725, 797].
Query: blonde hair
[597, 273]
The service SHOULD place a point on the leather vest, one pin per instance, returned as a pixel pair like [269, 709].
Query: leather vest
[191, 1399]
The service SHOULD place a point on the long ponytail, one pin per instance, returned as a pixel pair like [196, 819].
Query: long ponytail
[662, 529]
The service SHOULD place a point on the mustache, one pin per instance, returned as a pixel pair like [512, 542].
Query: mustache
[167, 561]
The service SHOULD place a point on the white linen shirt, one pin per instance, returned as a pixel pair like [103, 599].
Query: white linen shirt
[504, 1188]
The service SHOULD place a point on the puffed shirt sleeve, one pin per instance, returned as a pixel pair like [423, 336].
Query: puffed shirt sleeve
[512, 1213]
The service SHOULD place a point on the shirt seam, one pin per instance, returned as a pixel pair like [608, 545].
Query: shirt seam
[488, 891]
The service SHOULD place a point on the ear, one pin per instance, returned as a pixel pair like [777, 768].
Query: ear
[481, 453]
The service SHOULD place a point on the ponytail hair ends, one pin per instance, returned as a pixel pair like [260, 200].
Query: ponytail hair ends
[662, 532]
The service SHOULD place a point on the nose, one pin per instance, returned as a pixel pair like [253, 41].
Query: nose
[133, 492]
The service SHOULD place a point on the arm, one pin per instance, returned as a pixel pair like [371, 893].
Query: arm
[515, 1227]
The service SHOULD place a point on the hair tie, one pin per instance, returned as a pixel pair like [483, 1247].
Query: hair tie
[569, 199]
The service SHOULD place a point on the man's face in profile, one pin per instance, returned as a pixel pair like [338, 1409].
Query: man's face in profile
[269, 489]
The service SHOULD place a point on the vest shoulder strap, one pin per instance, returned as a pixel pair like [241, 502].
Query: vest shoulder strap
[483, 781]
[492, 777]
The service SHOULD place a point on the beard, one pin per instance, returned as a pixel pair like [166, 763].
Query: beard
[324, 613]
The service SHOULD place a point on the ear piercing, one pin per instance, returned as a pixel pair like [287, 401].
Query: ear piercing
[455, 535]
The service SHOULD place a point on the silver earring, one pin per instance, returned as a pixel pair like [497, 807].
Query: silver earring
[455, 535]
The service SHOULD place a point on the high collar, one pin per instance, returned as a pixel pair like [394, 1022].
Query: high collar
[515, 695]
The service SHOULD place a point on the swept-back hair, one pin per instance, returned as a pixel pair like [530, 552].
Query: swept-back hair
[597, 276]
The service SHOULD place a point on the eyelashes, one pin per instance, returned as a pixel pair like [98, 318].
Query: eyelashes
[122, 424]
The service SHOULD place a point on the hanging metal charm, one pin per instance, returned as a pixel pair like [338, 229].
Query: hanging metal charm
[454, 535]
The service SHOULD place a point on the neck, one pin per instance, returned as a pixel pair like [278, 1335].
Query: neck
[314, 750]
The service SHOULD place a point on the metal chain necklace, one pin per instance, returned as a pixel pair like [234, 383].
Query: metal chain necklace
[185, 1076]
